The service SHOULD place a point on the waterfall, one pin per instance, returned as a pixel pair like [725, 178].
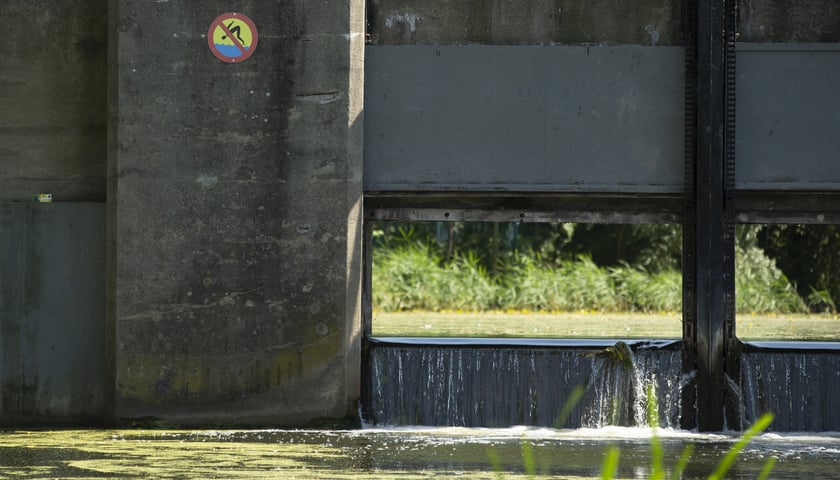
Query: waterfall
[619, 393]
[478, 385]
[802, 388]
[499, 383]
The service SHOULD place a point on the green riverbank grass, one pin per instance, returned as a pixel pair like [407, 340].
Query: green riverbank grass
[589, 324]
[414, 277]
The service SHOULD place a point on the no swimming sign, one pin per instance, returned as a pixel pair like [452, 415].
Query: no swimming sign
[232, 37]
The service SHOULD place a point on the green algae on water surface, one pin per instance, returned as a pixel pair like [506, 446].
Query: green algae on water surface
[418, 453]
[171, 454]
[156, 454]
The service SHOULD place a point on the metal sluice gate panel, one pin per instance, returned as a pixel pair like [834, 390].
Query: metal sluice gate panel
[524, 118]
[589, 118]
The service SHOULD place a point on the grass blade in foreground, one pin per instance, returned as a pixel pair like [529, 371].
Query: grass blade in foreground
[528, 459]
[759, 426]
[765, 472]
[496, 463]
[571, 402]
[657, 468]
[685, 456]
[610, 466]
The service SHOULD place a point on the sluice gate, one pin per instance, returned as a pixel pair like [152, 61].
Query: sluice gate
[707, 114]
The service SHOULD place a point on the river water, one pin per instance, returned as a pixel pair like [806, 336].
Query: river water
[407, 453]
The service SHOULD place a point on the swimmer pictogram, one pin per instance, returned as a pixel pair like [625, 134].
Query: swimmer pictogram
[232, 37]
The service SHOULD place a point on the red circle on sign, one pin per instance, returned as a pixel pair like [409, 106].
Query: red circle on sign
[232, 37]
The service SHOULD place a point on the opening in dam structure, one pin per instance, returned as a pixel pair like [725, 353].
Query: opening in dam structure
[475, 364]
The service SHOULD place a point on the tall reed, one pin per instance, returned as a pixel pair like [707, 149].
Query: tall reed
[413, 276]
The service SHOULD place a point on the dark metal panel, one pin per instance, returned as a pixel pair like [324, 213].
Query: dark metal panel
[524, 118]
[806, 207]
[558, 207]
[13, 283]
[788, 116]
[52, 330]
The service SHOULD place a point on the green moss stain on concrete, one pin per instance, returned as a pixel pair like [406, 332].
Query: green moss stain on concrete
[194, 377]
[643, 22]
[479, 25]
[774, 21]
[205, 378]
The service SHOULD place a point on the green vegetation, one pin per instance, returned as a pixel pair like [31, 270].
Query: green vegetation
[593, 281]
[809, 255]
[415, 276]
[606, 268]
[798, 327]
[610, 466]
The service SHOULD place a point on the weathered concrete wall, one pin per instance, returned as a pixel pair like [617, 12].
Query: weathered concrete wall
[786, 21]
[515, 22]
[52, 313]
[235, 214]
[53, 87]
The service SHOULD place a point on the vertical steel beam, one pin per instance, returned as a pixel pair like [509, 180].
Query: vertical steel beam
[689, 268]
[731, 344]
[367, 317]
[709, 225]
[709, 235]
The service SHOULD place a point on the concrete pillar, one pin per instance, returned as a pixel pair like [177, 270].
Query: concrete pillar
[234, 209]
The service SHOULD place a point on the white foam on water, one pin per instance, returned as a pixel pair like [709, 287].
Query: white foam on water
[516, 433]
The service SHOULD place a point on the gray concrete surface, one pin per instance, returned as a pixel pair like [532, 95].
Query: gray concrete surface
[53, 87]
[52, 313]
[785, 21]
[506, 22]
[235, 215]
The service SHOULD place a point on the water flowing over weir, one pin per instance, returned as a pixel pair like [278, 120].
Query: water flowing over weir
[493, 383]
[505, 382]
[799, 382]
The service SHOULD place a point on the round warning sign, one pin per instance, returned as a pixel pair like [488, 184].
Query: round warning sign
[232, 37]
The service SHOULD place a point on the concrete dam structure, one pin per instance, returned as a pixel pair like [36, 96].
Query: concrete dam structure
[205, 258]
